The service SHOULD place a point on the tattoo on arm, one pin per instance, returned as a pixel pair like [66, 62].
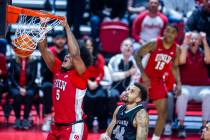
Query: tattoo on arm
[113, 122]
[142, 120]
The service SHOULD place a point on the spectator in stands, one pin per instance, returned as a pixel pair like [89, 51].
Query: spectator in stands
[3, 46]
[59, 50]
[103, 10]
[200, 20]
[94, 101]
[75, 10]
[149, 24]
[123, 70]
[22, 75]
[178, 11]
[206, 132]
[194, 77]
[135, 7]
[4, 87]
[199, 2]
[3, 73]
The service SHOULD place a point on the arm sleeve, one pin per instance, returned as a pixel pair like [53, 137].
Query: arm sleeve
[136, 28]
[165, 22]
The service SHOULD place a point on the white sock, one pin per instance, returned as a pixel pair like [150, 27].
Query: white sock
[154, 137]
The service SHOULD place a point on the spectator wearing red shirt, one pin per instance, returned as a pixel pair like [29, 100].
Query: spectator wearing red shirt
[194, 77]
[22, 87]
[6, 105]
[96, 71]
[149, 24]
[96, 95]
[3, 73]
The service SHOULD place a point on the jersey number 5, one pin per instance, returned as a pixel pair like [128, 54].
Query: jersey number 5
[57, 94]
[160, 65]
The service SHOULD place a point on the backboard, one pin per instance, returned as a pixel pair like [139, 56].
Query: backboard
[3, 9]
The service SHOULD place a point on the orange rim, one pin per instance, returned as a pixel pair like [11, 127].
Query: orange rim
[13, 13]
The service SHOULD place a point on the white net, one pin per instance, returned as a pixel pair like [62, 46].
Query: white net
[31, 30]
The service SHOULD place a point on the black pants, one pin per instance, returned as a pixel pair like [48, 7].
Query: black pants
[47, 101]
[27, 100]
[6, 105]
[95, 105]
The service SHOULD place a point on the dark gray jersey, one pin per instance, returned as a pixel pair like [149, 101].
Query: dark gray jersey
[124, 129]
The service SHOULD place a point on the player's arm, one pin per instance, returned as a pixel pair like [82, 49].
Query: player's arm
[206, 48]
[107, 134]
[175, 71]
[47, 55]
[142, 124]
[74, 50]
[184, 49]
[145, 49]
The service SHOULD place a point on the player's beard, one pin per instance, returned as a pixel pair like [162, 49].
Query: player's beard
[60, 45]
[124, 98]
[63, 69]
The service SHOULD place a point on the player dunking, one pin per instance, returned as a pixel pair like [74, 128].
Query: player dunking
[69, 87]
[130, 121]
[164, 57]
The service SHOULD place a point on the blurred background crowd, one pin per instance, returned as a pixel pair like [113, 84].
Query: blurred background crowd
[112, 30]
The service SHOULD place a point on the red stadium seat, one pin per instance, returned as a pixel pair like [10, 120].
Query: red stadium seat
[111, 35]
[193, 109]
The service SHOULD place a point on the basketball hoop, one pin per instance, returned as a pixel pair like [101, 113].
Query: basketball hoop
[32, 26]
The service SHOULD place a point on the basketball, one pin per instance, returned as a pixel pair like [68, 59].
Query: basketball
[23, 45]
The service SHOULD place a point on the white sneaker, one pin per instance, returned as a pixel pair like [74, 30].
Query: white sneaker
[168, 130]
[47, 124]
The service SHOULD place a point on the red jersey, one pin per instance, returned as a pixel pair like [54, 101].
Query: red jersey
[96, 71]
[68, 91]
[160, 60]
[194, 72]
